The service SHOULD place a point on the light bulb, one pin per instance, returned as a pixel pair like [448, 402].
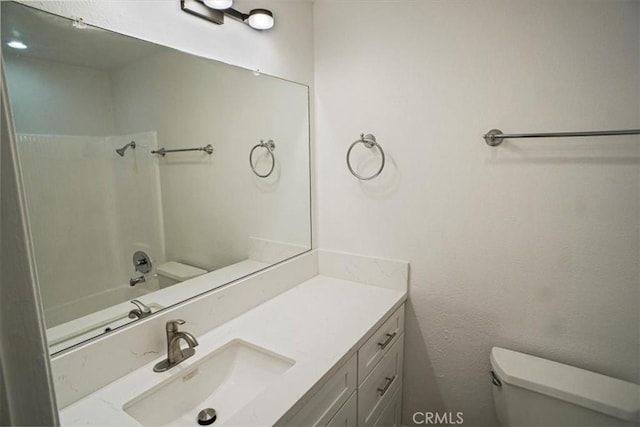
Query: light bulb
[17, 44]
[261, 19]
[219, 4]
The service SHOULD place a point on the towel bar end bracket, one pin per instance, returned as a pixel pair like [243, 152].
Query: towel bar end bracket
[492, 137]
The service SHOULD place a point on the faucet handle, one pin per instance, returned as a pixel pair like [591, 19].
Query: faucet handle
[172, 325]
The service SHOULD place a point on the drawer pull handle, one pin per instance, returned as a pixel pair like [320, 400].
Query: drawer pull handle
[384, 389]
[386, 342]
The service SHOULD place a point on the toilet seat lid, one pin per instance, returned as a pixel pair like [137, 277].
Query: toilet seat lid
[611, 396]
[178, 271]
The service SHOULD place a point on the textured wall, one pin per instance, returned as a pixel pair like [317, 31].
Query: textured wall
[532, 246]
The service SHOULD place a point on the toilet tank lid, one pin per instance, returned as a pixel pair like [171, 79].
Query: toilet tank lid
[178, 271]
[598, 392]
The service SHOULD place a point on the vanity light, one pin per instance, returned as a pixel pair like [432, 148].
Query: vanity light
[216, 10]
[261, 19]
[17, 44]
[219, 4]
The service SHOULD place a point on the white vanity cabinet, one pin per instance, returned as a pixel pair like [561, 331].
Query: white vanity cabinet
[367, 389]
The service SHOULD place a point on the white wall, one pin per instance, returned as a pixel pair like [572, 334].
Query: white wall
[531, 246]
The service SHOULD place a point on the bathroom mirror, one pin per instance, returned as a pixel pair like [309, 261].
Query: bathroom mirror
[115, 213]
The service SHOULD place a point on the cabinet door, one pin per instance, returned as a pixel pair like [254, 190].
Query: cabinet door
[379, 343]
[326, 402]
[392, 413]
[376, 391]
[347, 416]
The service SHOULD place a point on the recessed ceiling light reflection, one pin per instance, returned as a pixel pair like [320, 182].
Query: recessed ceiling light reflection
[16, 44]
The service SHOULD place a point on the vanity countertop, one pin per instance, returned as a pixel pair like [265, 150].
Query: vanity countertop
[318, 323]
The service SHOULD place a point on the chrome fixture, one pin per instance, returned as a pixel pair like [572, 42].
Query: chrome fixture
[141, 311]
[175, 354]
[216, 10]
[136, 280]
[121, 151]
[386, 342]
[163, 151]
[269, 146]
[207, 416]
[495, 380]
[142, 262]
[369, 141]
[495, 136]
[388, 382]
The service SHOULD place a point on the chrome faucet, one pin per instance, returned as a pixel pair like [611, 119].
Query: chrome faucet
[141, 311]
[175, 354]
[134, 281]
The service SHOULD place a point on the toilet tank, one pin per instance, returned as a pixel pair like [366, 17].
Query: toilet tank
[531, 391]
[172, 272]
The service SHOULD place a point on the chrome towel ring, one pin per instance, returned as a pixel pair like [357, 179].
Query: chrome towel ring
[270, 146]
[369, 141]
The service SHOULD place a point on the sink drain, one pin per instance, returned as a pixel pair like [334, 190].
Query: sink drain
[207, 416]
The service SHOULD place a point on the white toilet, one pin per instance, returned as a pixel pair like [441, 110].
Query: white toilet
[530, 391]
[173, 272]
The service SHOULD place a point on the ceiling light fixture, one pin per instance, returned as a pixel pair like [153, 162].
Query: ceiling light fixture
[16, 44]
[215, 11]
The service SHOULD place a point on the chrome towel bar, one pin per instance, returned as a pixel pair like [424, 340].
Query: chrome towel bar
[163, 151]
[495, 136]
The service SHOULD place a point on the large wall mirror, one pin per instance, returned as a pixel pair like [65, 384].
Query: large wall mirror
[121, 224]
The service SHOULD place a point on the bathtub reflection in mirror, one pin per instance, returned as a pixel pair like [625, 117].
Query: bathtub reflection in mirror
[90, 107]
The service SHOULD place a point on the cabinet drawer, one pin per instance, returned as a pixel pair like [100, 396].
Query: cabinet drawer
[380, 342]
[329, 398]
[392, 413]
[377, 390]
[347, 416]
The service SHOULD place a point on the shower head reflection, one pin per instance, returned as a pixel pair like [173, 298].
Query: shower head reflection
[121, 151]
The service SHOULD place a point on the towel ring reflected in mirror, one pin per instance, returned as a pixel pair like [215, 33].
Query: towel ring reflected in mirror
[270, 146]
[369, 141]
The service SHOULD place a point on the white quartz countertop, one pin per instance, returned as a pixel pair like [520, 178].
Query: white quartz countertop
[317, 323]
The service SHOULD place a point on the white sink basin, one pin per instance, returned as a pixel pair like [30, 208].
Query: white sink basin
[226, 380]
